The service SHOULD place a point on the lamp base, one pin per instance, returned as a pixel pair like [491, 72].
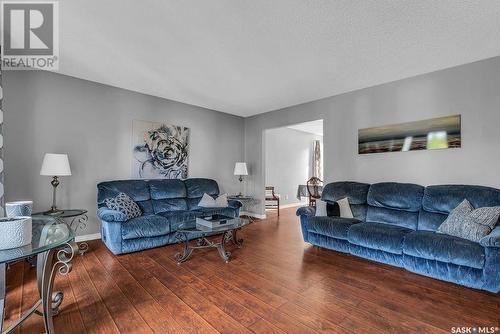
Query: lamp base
[53, 212]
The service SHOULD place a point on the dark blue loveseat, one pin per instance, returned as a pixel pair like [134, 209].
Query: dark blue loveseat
[395, 223]
[165, 205]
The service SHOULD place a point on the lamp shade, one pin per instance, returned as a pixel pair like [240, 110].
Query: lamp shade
[55, 165]
[240, 168]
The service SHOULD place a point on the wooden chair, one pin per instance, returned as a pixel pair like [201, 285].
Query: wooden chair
[272, 197]
[314, 186]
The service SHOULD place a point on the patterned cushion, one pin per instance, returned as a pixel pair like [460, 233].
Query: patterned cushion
[469, 223]
[124, 204]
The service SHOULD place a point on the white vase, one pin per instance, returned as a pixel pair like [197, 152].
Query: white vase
[15, 232]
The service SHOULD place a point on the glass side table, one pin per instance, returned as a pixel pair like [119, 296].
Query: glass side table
[53, 243]
[247, 204]
[76, 219]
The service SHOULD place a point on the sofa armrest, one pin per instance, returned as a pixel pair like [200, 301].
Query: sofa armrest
[492, 239]
[111, 215]
[306, 211]
[234, 204]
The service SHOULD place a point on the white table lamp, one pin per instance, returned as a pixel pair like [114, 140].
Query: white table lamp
[55, 165]
[240, 169]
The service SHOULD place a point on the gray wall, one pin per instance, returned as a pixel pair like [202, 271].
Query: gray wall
[471, 90]
[288, 156]
[48, 112]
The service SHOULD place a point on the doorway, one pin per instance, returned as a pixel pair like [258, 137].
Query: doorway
[293, 154]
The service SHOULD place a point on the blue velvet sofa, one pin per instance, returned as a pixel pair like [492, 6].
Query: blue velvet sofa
[396, 223]
[165, 205]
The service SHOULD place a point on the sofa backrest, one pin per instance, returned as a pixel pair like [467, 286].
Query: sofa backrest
[160, 195]
[138, 190]
[356, 193]
[408, 205]
[168, 195]
[395, 204]
[196, 187]
[438, 201]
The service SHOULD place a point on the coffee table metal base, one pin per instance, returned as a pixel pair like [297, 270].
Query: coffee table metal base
[204, 242]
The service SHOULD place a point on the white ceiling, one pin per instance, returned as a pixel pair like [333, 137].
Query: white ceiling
[314, 127]
[246, 57]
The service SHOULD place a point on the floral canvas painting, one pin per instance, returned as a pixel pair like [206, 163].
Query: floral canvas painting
[160, 150]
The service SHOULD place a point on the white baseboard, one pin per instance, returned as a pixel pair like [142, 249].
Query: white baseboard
[252, 214]
[88, 237]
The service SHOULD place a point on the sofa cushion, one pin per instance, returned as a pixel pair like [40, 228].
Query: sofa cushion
[388, 238]
[356, 193]
[445, 248]
[392, 217]
[398, 196]
[169, 204]
[145, 226]
[334, 227]
[395, 204]
[176, 218]
[138, 190]
[196, 187]
[438, 201]
[167, 188]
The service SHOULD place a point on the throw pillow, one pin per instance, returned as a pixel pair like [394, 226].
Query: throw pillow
[321, 209]
[333, 209]
[345, 208]
[327, 209]
[208, 201]
[468, 223]
[124, 204]
[221, 201]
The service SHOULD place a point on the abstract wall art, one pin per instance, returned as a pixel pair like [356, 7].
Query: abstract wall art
[429, 134]
[160, 150]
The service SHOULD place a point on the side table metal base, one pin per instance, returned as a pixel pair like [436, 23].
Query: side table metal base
[48, 265]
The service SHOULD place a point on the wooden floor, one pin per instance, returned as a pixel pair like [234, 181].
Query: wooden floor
[274, 284]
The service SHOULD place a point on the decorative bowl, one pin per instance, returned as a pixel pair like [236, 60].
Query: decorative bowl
[15, 232]
[19, 208]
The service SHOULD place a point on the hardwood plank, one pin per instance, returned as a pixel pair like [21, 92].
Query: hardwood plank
[231, 307]
[158, 318]
[94, 312]
[267, 312]
[69, 315]
[30, 296]
[124, 314]
[184, 315]
[264, 327]
[14, 294]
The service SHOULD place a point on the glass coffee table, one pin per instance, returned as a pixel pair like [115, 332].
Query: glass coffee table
[199, 235]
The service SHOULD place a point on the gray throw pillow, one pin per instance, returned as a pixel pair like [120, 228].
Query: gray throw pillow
[124, 204]
[321, 209]
[468, 223]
